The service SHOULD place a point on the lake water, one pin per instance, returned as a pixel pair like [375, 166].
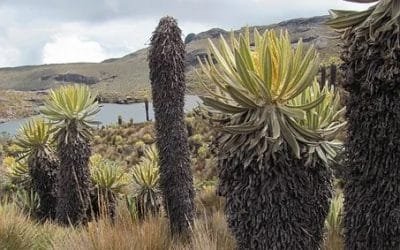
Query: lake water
[109, 114]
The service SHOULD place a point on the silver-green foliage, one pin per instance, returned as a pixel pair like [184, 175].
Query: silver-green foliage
[266, 94]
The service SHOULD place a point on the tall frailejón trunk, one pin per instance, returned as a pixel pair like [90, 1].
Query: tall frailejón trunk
[34, 141]
[372, 182]
[166, 61]
[71, 108]
[73, 180]
[273, 153]
[280, 206]
[43, 169]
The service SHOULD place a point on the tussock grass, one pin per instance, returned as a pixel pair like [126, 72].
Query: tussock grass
[209, 232]
[18, 231]
[151, 234]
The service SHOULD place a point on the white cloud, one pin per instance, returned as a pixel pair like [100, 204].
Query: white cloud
[64, 49]
[42, 31]
[9, 55]
[83, 42]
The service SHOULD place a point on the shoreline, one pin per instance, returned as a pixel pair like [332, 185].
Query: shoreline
[119, 102]
[9, 119]
[127, 100]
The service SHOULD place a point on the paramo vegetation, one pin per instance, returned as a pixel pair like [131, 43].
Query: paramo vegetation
[255, 166]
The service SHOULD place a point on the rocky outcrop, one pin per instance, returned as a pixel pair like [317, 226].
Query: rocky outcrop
[212, 33]
[71, 78]
[76, 78]
[301, 22]
[191, 57]
[189, 38]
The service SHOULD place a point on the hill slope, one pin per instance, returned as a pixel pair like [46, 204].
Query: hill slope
[129, 75]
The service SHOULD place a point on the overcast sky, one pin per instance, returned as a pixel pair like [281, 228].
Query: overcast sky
[58, 31]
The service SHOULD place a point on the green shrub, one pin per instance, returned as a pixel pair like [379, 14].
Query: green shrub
[202, 151]
[147, 138]
[197, 139]
[117, 140]
[140, 144]
[97, 139]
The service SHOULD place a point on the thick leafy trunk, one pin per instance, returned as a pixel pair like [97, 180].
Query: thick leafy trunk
[372, 188]
[73, 181]
[166, 61]
[281, 206]
[43, 170]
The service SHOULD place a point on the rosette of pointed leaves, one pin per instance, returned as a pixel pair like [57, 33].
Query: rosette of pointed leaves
[379, 18]
[17, 173]
[322, 124]
[146, 183]
[109, 180]
[109, 176]
[71, 108]
[34, 138]
[258, 97]
[28, 201]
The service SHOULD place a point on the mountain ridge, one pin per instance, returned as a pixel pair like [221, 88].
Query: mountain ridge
[128, 75]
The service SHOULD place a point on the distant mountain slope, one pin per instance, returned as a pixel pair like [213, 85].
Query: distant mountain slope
[129, 75]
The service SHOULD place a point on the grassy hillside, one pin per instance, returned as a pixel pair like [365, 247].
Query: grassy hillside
[14, 104]
[128, 76]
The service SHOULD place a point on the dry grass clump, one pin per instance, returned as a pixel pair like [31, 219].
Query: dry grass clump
[151, 234]
[103, 235]
[209, 232]
[207, 201]
[18, 231]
